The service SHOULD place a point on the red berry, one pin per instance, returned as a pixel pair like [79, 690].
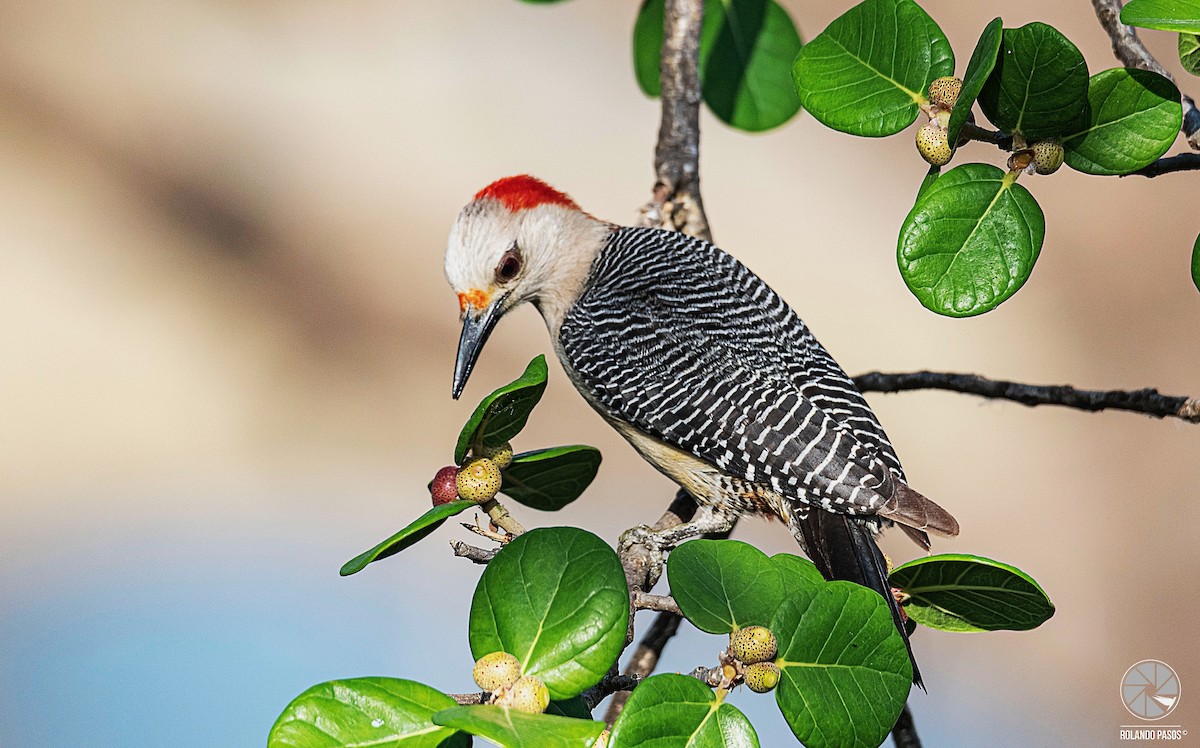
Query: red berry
[445, 485]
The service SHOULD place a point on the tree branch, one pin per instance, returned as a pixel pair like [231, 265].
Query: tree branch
[1128, 48]
[608, 685]
[904, 733]
[676, 202]
[473, 553]
[1146, 401]
[1168, 165]
[645, 658]
[661, 603]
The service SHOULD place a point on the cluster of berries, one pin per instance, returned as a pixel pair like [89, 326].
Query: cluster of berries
[478, 480]
[753, 651]
[499, 674]
[933, 139]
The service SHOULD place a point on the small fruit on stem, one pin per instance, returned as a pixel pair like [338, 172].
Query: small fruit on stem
[945, 90]
[528, 694]
[753, 644]
[761, 676]
[479, 480]
[933, 143]
[444, 487]
[502, 455]
[495, 671]
[1047, 156]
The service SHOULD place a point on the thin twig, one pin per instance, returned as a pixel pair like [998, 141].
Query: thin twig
[1146, 401]
[645, 658]
[904, 733]
[709, 676]
[608, 685]
[502, 519]
[1168, 165]
[472, 553]
[467, 699]
[661, 603]
[1129, 49]
[676, 202]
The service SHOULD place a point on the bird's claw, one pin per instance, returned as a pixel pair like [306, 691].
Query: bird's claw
[645, 536]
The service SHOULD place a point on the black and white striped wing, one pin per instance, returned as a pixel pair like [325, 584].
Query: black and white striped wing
[680, 340]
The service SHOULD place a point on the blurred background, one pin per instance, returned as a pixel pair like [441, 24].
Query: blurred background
[227, 348]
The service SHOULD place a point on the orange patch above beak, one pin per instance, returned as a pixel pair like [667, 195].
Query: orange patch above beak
[475, 299]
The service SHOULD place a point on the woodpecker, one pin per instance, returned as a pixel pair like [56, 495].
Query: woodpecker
[701, 366]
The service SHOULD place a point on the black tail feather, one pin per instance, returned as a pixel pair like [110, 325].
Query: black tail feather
[843, 548]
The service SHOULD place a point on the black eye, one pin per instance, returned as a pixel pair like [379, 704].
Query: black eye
[510, 265]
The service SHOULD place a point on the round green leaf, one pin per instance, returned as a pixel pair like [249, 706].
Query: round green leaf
[556, 599]
[971, 241]
[746, 53]
[549, 479]
[574, 708]
[501, 415]
[678, 711]
[1196, 263]
[384, 712]
[1189, 53]
[868, 72]
[957, 592]
[722, 585]
[510, 728]
[979, 69]
[796, 572]
[1167, 15]
[417, 530]
[1039, 85]
[845, 671]
[1133, 118]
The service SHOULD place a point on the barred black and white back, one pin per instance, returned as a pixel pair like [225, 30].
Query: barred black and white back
[682, 341]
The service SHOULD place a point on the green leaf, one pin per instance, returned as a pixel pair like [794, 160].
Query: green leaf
[501, 415]
[1166, 15]
[417, 530]
[957, 592]
[979, 69]
[845, 671]
[971, 241]
[796, 572]
[746, 53]
[722, 585]
[556, 599]
[678, 711]
[384, 712]
[1133, 118]
[549, 479]
[1039, 85]
[868, 72]
[511, 728]
[1196, 263]
[1189, 53]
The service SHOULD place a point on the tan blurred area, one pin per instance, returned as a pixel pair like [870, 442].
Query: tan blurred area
[221, 235]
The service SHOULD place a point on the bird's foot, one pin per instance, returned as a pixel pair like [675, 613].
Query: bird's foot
[648, 538]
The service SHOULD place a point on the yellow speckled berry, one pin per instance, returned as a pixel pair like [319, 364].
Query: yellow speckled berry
[1047, 156]
[761, 676]
[944, 91]
[502, 455]
[752, 644]
[495, 671]
[528, 694]
[478, 480]
[933, 143]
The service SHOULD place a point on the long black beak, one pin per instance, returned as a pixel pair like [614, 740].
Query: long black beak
[477, 326]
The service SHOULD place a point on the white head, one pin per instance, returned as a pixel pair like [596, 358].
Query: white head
[518, 240]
